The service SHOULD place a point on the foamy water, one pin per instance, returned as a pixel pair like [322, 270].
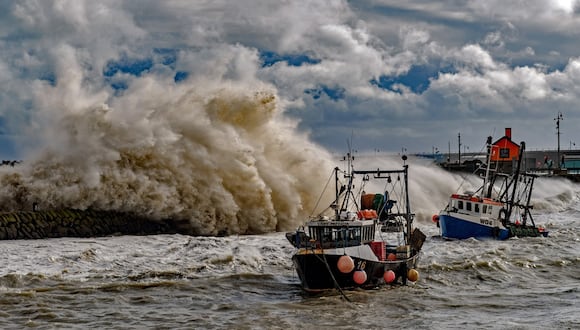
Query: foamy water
[248, 282]
[219, 156]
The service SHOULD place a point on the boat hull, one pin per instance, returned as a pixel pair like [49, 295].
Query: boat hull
[458, 228]
[319, 271]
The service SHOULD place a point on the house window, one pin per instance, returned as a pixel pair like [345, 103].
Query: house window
[504, 153]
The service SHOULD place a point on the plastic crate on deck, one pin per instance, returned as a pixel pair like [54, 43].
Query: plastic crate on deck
[378, 248]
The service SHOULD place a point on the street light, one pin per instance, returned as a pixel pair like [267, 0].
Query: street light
[557, 119]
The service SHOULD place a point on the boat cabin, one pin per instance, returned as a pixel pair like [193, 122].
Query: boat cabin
[338, 234]
[474, 205]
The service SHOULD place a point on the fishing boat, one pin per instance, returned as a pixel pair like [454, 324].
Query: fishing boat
[499, 209]
[368, 239]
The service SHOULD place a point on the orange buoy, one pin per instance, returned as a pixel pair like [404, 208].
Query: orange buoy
[359, 277]
[435, 218]
[413, 275]
[389, 276]
[392, 257]
[345, 264]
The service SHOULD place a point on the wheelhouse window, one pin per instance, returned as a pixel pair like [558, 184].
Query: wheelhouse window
[476, 207]
[460, 205]
[504, 153]
[468, 206]
[484, 209]
[334, 235]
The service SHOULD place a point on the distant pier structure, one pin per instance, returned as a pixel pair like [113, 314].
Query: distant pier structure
[504, 157]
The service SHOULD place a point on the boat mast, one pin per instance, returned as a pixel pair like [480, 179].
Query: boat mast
[486, 178]
[350, 175]
[515, 180]
[527, 207]
[408, 207]
[336, 169]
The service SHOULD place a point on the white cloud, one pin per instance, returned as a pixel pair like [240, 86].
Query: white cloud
[496, 57]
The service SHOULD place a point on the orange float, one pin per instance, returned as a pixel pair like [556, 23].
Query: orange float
[413, 275]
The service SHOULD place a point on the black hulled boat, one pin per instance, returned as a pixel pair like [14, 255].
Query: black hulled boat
[367, 241]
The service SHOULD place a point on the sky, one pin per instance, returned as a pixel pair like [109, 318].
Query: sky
[388, 75]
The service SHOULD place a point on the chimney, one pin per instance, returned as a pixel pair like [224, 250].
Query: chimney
[508, 132]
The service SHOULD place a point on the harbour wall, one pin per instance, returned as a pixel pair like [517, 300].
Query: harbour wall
[79, 223]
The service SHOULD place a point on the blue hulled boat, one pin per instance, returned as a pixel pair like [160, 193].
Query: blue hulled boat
[499, 209]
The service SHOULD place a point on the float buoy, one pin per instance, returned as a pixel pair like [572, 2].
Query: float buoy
[389, 276]
[392, 257]
[345, 264]
[359, 277]
[413, 275]
[435, 218]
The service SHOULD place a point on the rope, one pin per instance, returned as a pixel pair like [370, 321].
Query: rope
[334, 279]
[320, 197]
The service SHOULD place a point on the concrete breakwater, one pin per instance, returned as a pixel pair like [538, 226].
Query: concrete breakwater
[77, 223]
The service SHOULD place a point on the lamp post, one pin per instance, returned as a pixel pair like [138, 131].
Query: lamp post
[434, 152]
[459, 148]
[557, 119]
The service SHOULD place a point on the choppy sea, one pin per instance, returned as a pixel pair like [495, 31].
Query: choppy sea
[248, 282]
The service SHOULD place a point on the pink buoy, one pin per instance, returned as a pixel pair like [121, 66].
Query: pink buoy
[359, 277]
[345, 264]
[389, 276]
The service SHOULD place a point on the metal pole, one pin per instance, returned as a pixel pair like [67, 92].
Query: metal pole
[557, 119]
[459, 141]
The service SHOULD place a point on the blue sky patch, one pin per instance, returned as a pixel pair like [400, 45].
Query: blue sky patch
[417, 79]
[168, 56]
[49, 77]
[135, 67]
[334, 93]
[270, 58]
[180, 76]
